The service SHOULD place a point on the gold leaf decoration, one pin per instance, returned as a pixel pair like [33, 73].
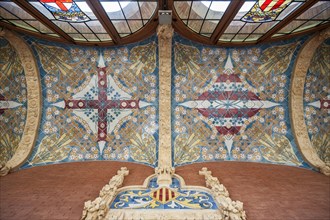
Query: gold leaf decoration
[276, 59]
[143, 58]
[322, 145]
[8, 146]
[321, 60]
[278, 149]
[53, 148]
[143, 148]
[186, 59]
[186, 148]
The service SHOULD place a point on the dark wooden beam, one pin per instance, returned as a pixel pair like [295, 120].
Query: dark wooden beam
[226, 19]
[43, 19]
[102, 16]
[287, 20]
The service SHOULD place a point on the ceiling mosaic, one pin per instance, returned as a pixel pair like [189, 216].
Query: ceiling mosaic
[232, 103]
[317, 101]
[121, 22]
[13, 101]
[98, 104]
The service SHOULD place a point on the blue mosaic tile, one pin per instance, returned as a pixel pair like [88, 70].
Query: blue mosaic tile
[231, 104]
[98, 103]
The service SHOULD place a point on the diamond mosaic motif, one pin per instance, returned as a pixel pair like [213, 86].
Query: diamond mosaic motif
[231, 104]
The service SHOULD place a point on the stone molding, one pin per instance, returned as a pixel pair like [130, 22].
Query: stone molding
[165, 34]
[297, 103]
[98, 208]
[34, 106]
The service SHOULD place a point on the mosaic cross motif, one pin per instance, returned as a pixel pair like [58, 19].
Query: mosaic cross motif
[4, 104]
[228, 104]
[101, 104]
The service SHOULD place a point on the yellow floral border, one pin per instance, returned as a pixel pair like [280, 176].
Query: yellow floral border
[297, 104]
[28, 139]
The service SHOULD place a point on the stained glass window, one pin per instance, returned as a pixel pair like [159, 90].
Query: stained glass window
[256, 18]
[201, 16]
[74, 17]
[12, 14]
[265, 10]
[65, 10]
[317, 15]
[129, 16]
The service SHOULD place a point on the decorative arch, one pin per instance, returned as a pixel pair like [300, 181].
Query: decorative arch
[297, 105]
[30, 133]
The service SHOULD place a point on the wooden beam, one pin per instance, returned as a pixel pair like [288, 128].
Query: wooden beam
[43, 19]
[226, 19]
[287, 20]
[102, 16]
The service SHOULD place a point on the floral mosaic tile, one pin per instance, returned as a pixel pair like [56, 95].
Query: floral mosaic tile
[317, 101]
[98, 103]
[232, 103]
[155, 197]
[13, 100]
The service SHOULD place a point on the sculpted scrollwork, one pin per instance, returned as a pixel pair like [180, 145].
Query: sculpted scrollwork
[232, 210]
[97, 209]
[33, 105]
[297, 105]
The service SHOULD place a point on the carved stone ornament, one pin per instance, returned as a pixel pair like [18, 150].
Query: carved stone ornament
[297, 104]
[106, 205]
[231, 209]
[98, 208]
[30, 133]
[165, 33]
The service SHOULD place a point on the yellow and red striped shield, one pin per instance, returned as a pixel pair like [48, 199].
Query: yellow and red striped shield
[164, 195]
[269, 5]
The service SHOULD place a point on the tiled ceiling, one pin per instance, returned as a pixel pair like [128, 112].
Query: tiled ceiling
[120, 22]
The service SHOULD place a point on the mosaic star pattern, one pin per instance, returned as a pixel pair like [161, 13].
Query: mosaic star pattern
[13, 101]
[155, 197]
[98, 104]
[232, 104]
[317, 101]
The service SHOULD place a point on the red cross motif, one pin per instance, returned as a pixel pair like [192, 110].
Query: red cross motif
[102, 104]
[64, 5]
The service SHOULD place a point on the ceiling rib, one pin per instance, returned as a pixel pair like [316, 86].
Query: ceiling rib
[39, 16]
[287, 20]
[102, 16]
[226, 19]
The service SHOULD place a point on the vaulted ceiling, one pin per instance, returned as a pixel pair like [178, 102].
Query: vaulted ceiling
[110, 22]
